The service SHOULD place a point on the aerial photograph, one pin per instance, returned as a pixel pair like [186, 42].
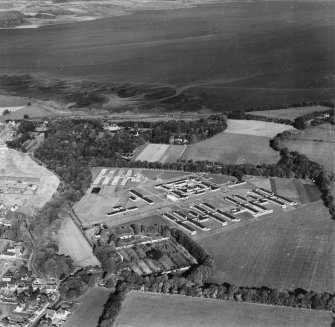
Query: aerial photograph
[167, 163]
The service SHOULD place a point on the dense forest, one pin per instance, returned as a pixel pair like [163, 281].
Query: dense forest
[184, 131]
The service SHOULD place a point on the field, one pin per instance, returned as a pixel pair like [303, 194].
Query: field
[151, 310]
[161, 152]
[286, 251]
[225, 61]
[73, 243]
[244, 141]
[317, 143]
[297, 190]
[89, 309]
[255, 128]
[16, 166]
[289, 113]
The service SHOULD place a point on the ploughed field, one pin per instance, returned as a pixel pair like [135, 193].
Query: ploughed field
[287, 251]
[230, 55]
[143, 309]
[317, 143]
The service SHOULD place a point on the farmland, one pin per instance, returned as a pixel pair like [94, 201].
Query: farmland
[244, 141]
[20, 171]
[286, 251]
[225, 62]
[89, 309]
[151, 310]
[289, 113]
[317, 143]
[73, 243]
[161, 153]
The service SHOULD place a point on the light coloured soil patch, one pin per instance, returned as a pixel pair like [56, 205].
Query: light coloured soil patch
[287, 251]
[255, 127]
[89, 309]
[289, 113]
[21, 167]
[234, 149]
[73, 243]
[142, 309]
[153, 152]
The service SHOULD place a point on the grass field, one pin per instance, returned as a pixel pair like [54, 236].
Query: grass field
[255, 128]
[91, 205]
[287, 251]
[89, 309]
[233, 149]
[317, 143]
[73, 243]
[289, 113]
[20, 166]
[163, 310]
[244, 141]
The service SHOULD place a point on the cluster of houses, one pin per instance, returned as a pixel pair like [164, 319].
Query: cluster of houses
[12, 252]
[59, 314]
[10, 285]
[135, 196]
[182, 189]
[117, 210]
[29, 312]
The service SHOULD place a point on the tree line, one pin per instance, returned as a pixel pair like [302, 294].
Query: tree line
[298, 298]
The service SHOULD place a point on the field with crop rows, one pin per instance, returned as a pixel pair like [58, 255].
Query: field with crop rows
[161, 152]
[287, 251]
[143, 309]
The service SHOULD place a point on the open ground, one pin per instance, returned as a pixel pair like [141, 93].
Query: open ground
[73, 243]
[244, 141]
[89, 309]
[289, 113]
[151, 310]
[287, 251]
[20, 168]
[161, 152]
[225, 61]
[317, 143]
